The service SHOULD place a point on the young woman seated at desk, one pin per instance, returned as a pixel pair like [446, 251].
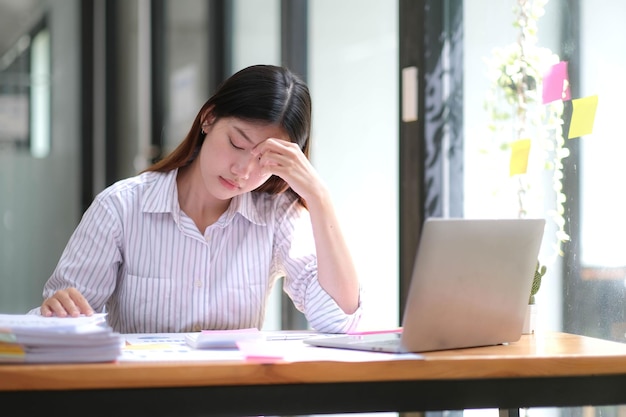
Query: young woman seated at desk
[197, 240]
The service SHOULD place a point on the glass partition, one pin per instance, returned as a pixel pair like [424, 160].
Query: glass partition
[39, 144]
[574, 148]
[543, 139]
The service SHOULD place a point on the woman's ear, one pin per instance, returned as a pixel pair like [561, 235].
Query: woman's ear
[207, 120]
[208, 117]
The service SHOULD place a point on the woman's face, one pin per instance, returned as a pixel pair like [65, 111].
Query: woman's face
[227, 165]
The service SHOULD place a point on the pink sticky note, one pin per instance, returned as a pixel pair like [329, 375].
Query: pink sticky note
[259, 350]
[556, 84]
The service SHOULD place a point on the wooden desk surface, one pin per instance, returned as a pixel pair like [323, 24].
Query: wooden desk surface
[534, 356]
[544, 370]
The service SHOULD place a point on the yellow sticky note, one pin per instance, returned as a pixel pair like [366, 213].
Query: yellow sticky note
[11, 352]
[9, 349]
[519, 157]
[583, 115]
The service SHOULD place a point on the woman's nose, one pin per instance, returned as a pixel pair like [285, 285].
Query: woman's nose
[244, 166]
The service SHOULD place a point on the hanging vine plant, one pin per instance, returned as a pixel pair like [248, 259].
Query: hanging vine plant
[516, 112]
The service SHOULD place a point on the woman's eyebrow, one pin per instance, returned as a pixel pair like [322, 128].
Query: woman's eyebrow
[242, 133]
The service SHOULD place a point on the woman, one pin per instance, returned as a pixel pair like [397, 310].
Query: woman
[198, 239]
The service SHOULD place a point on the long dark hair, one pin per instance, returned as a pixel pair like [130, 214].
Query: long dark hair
[260, 93]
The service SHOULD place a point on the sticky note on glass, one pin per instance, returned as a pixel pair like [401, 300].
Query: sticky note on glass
[583, 116]
[520, 150]
[556, 84]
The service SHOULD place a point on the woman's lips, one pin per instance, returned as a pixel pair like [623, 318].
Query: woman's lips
[229, 184]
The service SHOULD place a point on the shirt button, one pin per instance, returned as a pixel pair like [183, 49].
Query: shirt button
[198, 283]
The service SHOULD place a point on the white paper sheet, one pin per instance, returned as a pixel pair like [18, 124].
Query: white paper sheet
[274, 347]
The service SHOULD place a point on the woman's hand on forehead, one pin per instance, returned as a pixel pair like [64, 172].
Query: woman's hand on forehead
[286, 160]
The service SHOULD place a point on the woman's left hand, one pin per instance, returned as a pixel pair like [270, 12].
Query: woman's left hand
[286, 160]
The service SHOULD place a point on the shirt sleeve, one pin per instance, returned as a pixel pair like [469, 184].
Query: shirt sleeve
[297, 260]
[92, 257]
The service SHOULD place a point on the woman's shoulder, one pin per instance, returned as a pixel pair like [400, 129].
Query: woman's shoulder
[133, 187]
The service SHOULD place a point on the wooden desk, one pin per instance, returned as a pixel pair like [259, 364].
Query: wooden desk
[553, 369]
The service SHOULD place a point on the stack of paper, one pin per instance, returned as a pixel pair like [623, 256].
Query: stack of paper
[37, 339]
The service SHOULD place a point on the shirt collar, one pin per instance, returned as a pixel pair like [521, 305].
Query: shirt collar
[162, 193]
[162, 197]
[244, 204]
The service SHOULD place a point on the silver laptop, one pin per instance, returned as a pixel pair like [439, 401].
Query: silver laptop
[470, 287]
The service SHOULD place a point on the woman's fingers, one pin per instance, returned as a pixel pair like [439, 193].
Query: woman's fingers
[67, 302]
[286, 160]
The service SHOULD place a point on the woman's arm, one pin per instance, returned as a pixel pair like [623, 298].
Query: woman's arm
[336, 270]
[84, 277]
[335, 267]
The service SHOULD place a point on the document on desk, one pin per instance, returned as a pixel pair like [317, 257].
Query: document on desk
[222, 339]
[33, 338]
[273, 346]
[150, 347]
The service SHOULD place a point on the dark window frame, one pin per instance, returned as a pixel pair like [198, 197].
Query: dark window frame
[431, 148]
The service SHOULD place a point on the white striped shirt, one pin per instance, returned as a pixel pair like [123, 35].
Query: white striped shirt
[138, 254]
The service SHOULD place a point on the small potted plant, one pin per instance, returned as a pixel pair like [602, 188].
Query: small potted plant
[531, 311]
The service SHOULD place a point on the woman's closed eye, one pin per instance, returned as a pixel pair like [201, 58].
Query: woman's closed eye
[234, 145]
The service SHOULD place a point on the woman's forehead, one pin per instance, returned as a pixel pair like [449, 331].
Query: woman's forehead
[256, 132]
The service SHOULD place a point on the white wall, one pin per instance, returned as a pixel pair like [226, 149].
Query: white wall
[353, 75]
[603, 64]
